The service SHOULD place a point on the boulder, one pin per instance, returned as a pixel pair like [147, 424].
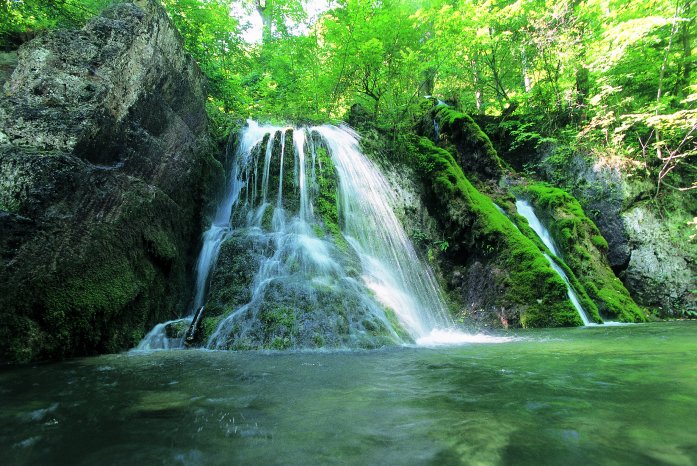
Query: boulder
[104, 163]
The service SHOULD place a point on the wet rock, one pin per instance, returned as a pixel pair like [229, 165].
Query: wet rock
[652, 256]
[8, 62]
[104, 159]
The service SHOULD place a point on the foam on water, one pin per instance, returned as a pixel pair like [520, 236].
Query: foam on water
[452, 337]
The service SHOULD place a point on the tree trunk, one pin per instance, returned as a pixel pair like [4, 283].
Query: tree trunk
[686, 39]
[477, 87]
[264, 9]
[582, 90]
[527, 82]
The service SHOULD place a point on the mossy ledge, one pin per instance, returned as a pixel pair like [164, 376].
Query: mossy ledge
[525, 289]
[461, 135]
[583, 249]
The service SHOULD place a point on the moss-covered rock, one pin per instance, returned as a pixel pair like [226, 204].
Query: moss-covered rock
[324, 194]
[462, 136]
[105, 165]
[650, 244]
[520, 285]
[588, 305]
[288, 312]
[584, 250]
[238, 262]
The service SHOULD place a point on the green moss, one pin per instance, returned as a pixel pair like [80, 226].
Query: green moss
[584, 250]
[318, 340]
[9, 205]
[279, 325]
[208, 326]
[476, 153]
[159, 244]
[123, 277]
[267, 218]
[291, 190]
[277, 317]
[397, 325]
[325, 201]
[480, 231]
[237, 264]
[280, 343]
[24, 349]
[599, 242]
[105, 287]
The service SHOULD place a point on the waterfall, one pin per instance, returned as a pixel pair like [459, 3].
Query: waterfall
[526, 210]
[391, 267]
[356, 283]
[326, 261]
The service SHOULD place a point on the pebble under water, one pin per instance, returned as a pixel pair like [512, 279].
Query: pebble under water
[600, 395]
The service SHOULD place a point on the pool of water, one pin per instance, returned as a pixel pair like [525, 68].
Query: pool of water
[601, 395]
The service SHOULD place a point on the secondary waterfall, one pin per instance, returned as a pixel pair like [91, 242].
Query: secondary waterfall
[526, 210]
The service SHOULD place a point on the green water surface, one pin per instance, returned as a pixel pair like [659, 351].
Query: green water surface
[605, 395]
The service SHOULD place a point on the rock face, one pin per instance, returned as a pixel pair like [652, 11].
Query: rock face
[103, 157]
[8, 62]
[661, 271]
[653, 256]
[584, 251]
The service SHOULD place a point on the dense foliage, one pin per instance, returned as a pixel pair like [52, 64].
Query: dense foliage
[612, 77]
[21, 19]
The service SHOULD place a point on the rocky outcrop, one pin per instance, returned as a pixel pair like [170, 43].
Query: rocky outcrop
[584, 250]
[474, 153]
[104, 156]
[497, 271]
[649, 244]
[8, 62]
[662, 270]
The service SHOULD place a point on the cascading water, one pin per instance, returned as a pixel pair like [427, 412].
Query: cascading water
[307, 222]
[391, 267]
[334, 266]
[160, 337]
[526, 210]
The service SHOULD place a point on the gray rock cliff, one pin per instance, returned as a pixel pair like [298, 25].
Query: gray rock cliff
[104, 162]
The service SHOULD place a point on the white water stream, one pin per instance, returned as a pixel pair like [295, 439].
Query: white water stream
[525, 209]
[397, 279]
